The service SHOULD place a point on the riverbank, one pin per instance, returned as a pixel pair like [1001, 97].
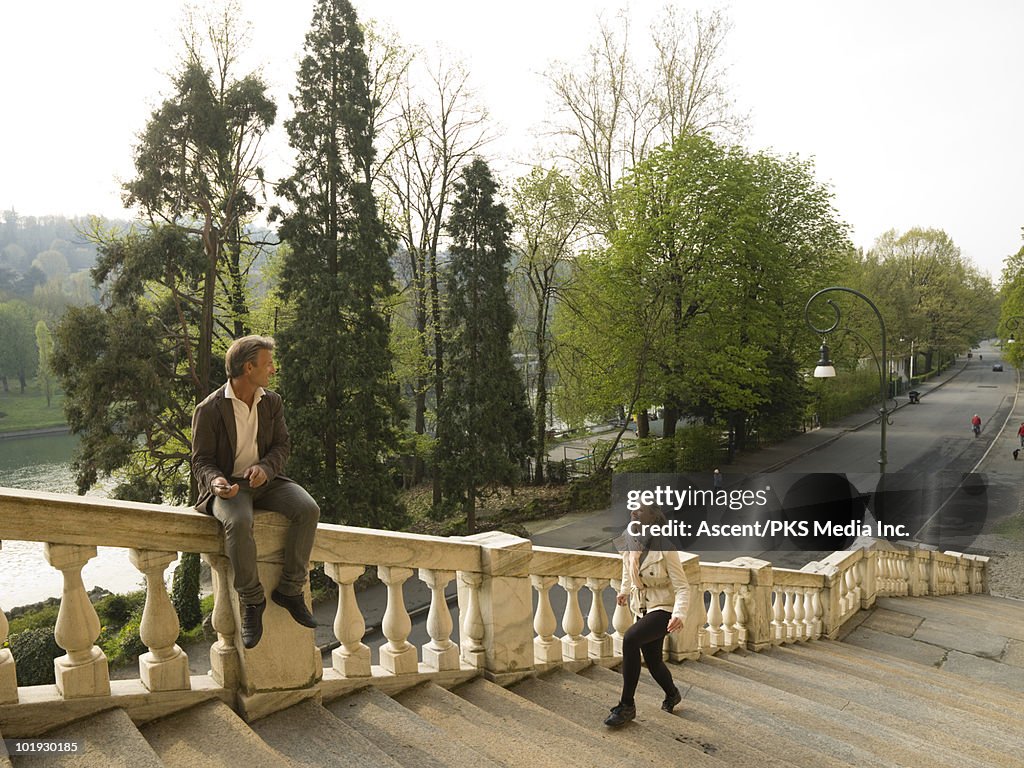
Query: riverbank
[24, 414]
[63, 429]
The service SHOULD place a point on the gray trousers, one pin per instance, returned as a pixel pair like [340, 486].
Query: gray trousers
[236, 515]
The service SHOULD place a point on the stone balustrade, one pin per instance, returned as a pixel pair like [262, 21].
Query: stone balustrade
[505, 626]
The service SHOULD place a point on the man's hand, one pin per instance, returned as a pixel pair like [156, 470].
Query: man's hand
[255, 475]
[675, 623]
[223, 489]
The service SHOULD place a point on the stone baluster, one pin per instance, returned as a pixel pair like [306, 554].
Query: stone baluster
[397, 655]
[224, 661]
[472, 640]
[165, 667]
[849, 590]
[352, 657]
[547, 648]
[574, 645]
[699, 602]
[599, 643]
[715, 618]
[778, 627]
[797, 598]
[809, 617]
[440, 653]
[788, 614]
[729, 618]
[8, 675]
[742, 631]
[818, 612]
[622, 619]
[82, 671]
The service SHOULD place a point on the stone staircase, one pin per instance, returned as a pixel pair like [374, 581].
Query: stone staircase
[867, 701]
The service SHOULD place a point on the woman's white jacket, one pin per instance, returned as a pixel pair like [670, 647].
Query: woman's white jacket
[656, 583]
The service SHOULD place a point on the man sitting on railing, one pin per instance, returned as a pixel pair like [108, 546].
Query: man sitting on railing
[238, 432]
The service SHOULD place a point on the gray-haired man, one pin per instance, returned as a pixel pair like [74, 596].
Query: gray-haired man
[239, 447]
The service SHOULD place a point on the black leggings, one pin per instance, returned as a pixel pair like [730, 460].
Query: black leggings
[646, 637]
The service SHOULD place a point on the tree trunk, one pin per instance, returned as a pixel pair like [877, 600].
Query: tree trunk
[668, 424]
[540, 421]
[435, 311]
[643, 424]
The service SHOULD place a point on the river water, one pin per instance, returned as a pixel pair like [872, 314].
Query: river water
[43, 462]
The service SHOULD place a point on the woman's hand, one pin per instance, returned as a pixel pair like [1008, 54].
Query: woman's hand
[675, 623]
[621, 599]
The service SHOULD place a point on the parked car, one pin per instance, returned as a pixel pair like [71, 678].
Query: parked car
[997, 367]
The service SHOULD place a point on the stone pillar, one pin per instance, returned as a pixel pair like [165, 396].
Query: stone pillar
[286, 658]
[684, 644]
[759, 609]
[830, 597]
[622, 620]
[165, 667]
[352, 658]
[8, 675]
[225, 661]
[398, 655]
[82, 671]
[506, 604]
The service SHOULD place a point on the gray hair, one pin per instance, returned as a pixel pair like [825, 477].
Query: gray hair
[244, 350]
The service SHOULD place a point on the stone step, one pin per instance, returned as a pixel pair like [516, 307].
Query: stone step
[957, 614]
[887, 699]
[519, 716]
[911, 743]
[959, 688]
[108, 740]
[408, 739]
[776, 736]
[311, 737]
[799, 719]
[210, 735]
[702, 731]
[484, 731]
[580, 701]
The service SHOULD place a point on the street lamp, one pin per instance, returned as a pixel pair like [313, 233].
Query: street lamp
[1012, 323]
[825, 368]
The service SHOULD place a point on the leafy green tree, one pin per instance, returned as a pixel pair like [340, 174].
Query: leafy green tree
[18, 355]
[549, 217]
[717, 250]
[335, 358]
[44, 345]
[484, 422]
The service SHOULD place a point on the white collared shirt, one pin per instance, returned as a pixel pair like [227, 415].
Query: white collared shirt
[247, 426]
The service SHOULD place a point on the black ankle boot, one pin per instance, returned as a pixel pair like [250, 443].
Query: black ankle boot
[621, 714]
[671, 700]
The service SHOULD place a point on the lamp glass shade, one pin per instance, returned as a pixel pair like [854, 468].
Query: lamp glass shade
[824, 372]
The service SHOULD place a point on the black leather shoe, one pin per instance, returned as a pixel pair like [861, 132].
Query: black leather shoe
[252, 624]
[296, 606]
[620, 716]
[671, 700]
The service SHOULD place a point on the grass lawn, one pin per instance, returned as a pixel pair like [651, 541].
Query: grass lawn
[29, 411]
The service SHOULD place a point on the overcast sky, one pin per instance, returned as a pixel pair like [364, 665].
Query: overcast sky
[912, 110]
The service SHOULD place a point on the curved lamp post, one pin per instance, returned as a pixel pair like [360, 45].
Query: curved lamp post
[825, 369]
[1012, 324]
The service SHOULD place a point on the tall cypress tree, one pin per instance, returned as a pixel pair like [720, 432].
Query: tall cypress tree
[484, 421]
[336, 364]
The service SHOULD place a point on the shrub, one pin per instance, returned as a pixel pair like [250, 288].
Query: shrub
[185, 590]
[126, 646]
[34, 651]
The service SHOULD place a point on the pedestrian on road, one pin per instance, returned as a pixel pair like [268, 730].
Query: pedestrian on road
[976, 424]
[718, 476]
[656, 591]
[1020, 434]
[239, 448]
